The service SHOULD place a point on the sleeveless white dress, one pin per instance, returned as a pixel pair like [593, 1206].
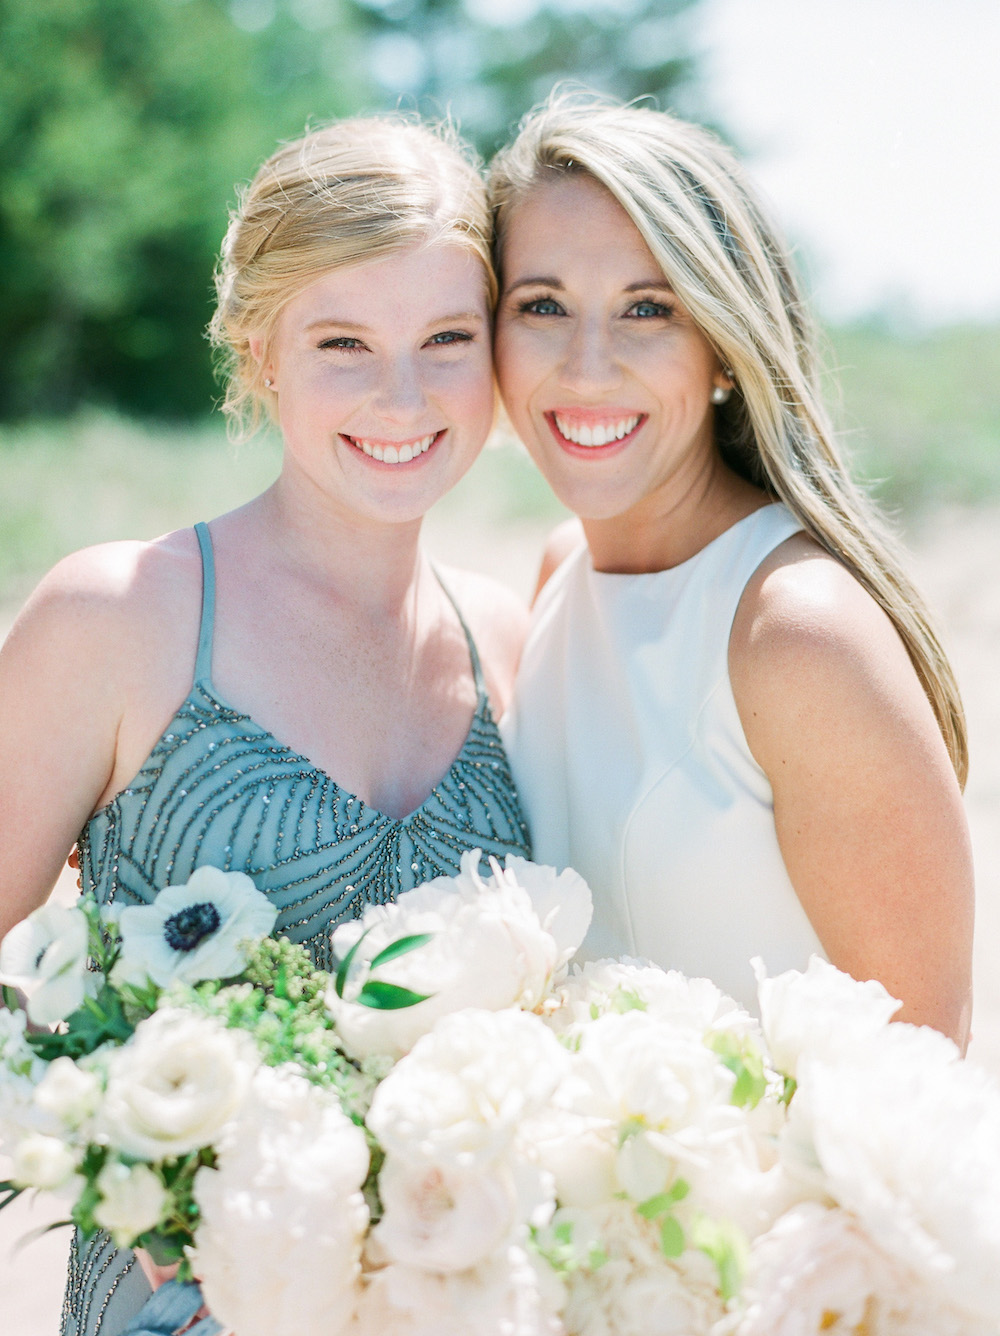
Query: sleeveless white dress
[633, 768]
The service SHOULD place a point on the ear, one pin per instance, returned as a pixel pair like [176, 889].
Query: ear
[256, 342]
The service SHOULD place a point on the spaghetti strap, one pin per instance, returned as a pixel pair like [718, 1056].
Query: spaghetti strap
[203, 663]
[477, 670]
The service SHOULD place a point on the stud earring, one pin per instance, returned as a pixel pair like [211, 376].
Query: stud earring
[268, 382]
[721, 394]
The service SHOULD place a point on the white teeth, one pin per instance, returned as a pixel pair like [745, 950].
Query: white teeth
[600, 433]
[391, 454]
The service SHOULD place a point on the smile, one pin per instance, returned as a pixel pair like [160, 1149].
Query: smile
[393, 452]
[591, 431]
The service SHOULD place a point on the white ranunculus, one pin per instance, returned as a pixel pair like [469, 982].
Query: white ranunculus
[132, 1200]
[45, 956]
[44, 1162]
[636, 1291]
[904, 1136]
[512, 1294]
[193, 932]
[822, 1012]
[175, 1085]
[68, 1092]
[278, 1248]
[462, 1094]
[496, 942]
[447, 1218]
[608, 987]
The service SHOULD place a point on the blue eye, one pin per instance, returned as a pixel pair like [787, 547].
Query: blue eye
[650, 311]
[450, 336]
[541, 306]
[343, 343]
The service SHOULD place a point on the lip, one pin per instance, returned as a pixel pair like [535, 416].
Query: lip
[591, 417]
[425, 446]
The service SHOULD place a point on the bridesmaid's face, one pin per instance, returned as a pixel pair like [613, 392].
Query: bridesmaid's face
[383, 380]
[605, 376]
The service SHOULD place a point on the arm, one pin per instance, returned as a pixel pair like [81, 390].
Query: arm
[866, 804]
[60, 708]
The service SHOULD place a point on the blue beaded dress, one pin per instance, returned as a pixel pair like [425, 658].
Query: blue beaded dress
[219, 789]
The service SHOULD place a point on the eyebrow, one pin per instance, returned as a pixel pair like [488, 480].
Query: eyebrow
[645, 285]
[332, 321]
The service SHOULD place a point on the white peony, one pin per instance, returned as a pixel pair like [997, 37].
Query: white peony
[175, 1085]
[450, 1218]
[132, 1200]
[44, 1162]
[20, 1070]
[513, 1294]
[461, 1096]
[193, 932]
[635, 1290]
[278, 1248]
[496, 942]
[904, 1136]
[45, 956]
[69, 1093]
[822, 1012]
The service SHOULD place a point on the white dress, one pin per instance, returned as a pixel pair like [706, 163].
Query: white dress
[633, 768]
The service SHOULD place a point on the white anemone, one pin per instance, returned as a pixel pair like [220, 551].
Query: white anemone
[45, 956]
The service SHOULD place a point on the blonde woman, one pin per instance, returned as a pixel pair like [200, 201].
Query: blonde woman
[291, 690]
[732, 716]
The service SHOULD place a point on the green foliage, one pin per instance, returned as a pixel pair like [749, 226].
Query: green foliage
[726, 1244]
[660, 1210]
[744, 1059]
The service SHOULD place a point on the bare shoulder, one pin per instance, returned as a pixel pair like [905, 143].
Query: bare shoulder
[808, 641]
[564, 539]
[497, 619]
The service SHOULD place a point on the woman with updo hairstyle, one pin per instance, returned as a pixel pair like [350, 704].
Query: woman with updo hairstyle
[290, 691]
[732, 714]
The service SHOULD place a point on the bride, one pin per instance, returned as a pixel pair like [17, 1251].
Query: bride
[290, 690]
[732, 715]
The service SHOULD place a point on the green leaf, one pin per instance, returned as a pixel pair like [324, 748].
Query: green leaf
[653, 1207]
[671, 1237]
[340, 979]
[790, 1087]
[12, 1192]
[400, 948]
[388, 996]
[745, 1060]
[726, 1244]
[10, 998]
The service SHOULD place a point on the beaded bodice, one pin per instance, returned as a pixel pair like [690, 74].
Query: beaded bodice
[219, 789]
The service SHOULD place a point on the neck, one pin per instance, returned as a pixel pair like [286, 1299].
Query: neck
[673, 524]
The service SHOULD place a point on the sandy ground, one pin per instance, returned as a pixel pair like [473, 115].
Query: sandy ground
[956, 556]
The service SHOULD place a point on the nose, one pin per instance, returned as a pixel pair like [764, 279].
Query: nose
[400, 396]
[590, 366]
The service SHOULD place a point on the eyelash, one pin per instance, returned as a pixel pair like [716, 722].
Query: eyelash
[446, 339]
[661, 311]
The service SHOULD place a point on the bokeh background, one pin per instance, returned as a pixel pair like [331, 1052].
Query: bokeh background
[873, 127]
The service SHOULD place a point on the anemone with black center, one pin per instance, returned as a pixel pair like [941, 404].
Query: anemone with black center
[188, 927]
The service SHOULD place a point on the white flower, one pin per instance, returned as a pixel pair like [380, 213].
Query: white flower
[512, 1294]
[822, 1012]
[194, 931]
[498, 942]
[45, 956]
[132, 1200]
[461, 1095]
[636, 1291]
[68, 1092]
[20, 1070]
[904, 1136]
[175, 1085]
[282, 1216]
[43, 1162]
[450, 1218]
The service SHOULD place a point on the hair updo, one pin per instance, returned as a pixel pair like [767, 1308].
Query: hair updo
[357, 190]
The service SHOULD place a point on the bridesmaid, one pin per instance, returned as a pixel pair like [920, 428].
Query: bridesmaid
[732, 715]
[292, 690]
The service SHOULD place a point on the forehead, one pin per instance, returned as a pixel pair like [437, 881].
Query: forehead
[574, 220]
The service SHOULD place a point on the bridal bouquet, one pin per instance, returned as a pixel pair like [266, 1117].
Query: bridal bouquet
[461, 1134]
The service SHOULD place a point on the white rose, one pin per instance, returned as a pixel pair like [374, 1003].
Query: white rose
[193, 932]
[68, 1092]
[175, 1085]
[132, 1200]
[278, 1248]
[461, 1095]
[43, 1162]
[45, 956]
[494, 943]
[822, 1012]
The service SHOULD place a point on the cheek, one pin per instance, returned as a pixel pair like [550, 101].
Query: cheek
[514, 367]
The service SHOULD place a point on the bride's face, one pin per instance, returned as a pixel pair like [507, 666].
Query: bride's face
[383, 379]
[605, 376]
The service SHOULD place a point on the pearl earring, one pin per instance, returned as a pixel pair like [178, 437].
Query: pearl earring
[720, 394]
[268, 382]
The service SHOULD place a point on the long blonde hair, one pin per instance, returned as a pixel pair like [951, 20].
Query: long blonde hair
[356, 190]
[691, 202]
